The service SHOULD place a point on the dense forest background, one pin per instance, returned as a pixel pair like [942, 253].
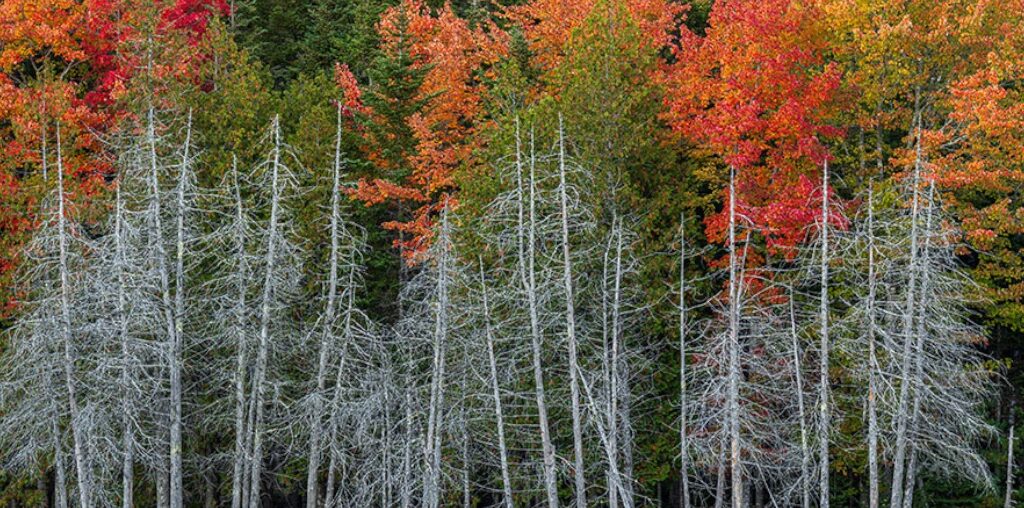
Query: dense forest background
[673, 110]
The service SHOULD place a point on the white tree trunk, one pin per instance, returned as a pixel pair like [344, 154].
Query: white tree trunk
[823, 384]
[330, 497]
[240, 462]
[918, 378]
[407, 453]
[805, 451]
[259, 374]
[177, 346]
[160, 255]
[77, 434]
[873, 370]
[570, 323]
[899, 457]
[328, 323]
[60, 487]
[733, 394]
[1008, 502]
[435, 421]
[603, 434]
[527, 255]
[684, 449]
[127, 381]
[506, 478]
[620, 377]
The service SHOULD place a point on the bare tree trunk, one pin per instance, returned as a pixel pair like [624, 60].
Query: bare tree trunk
[919, 351]
[162, 487]
[160, 255]
[329, 314]
[899, 457]
[527, 272]
[805, 451]
[684, 451]
[720, 478]
[823, 384]
[179, 315]
[435, 421]
[330, 497]
[60, 487]
[78, 436]
[407, 453]
[614, 474]
[734, 354]
[128, 428]
[606, 375]
[240, 462]
[872, 361]
[620, 377]
[570, 322]
[506, 479]
[466, 494]
[1008, 502]
[261, 358]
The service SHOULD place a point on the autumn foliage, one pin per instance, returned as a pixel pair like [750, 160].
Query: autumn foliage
[454, 55]
[70, 63]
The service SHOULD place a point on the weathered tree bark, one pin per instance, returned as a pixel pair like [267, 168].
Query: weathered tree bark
[606, 371]
[873, 489]
[435, 421]
[570, 323]
[77, 433]
[900, 454]
[805, 451]
[239, 461]
[259, 374]
[407, 453]
[918, 379]
[527, 271]
[1008, 502]
[506, 478]
[684, 450]
[60, 482]
[326, 335]
[160, 260]
[177, 346]
[824, 427]
[330, 496]
[128, 428]
[733, 395]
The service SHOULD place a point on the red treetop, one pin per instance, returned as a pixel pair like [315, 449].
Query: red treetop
[753, 91]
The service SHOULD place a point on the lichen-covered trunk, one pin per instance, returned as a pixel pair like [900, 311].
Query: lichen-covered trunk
[900, 454]
[77, 433]
[684, 449]
[259, 374]
[177, 346]
[325, 338]
[506, 478]
[239, 461]
[824, 426]
[872, 362]
[733, 395]
[435, 421]
[127, 427]
[805, 451]
[527, 261]
[570, 329]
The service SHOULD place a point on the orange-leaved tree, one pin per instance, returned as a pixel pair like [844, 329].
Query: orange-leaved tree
[754, 91]
[420, 117]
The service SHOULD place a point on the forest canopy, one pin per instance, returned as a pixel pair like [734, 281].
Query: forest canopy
[676, 253]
